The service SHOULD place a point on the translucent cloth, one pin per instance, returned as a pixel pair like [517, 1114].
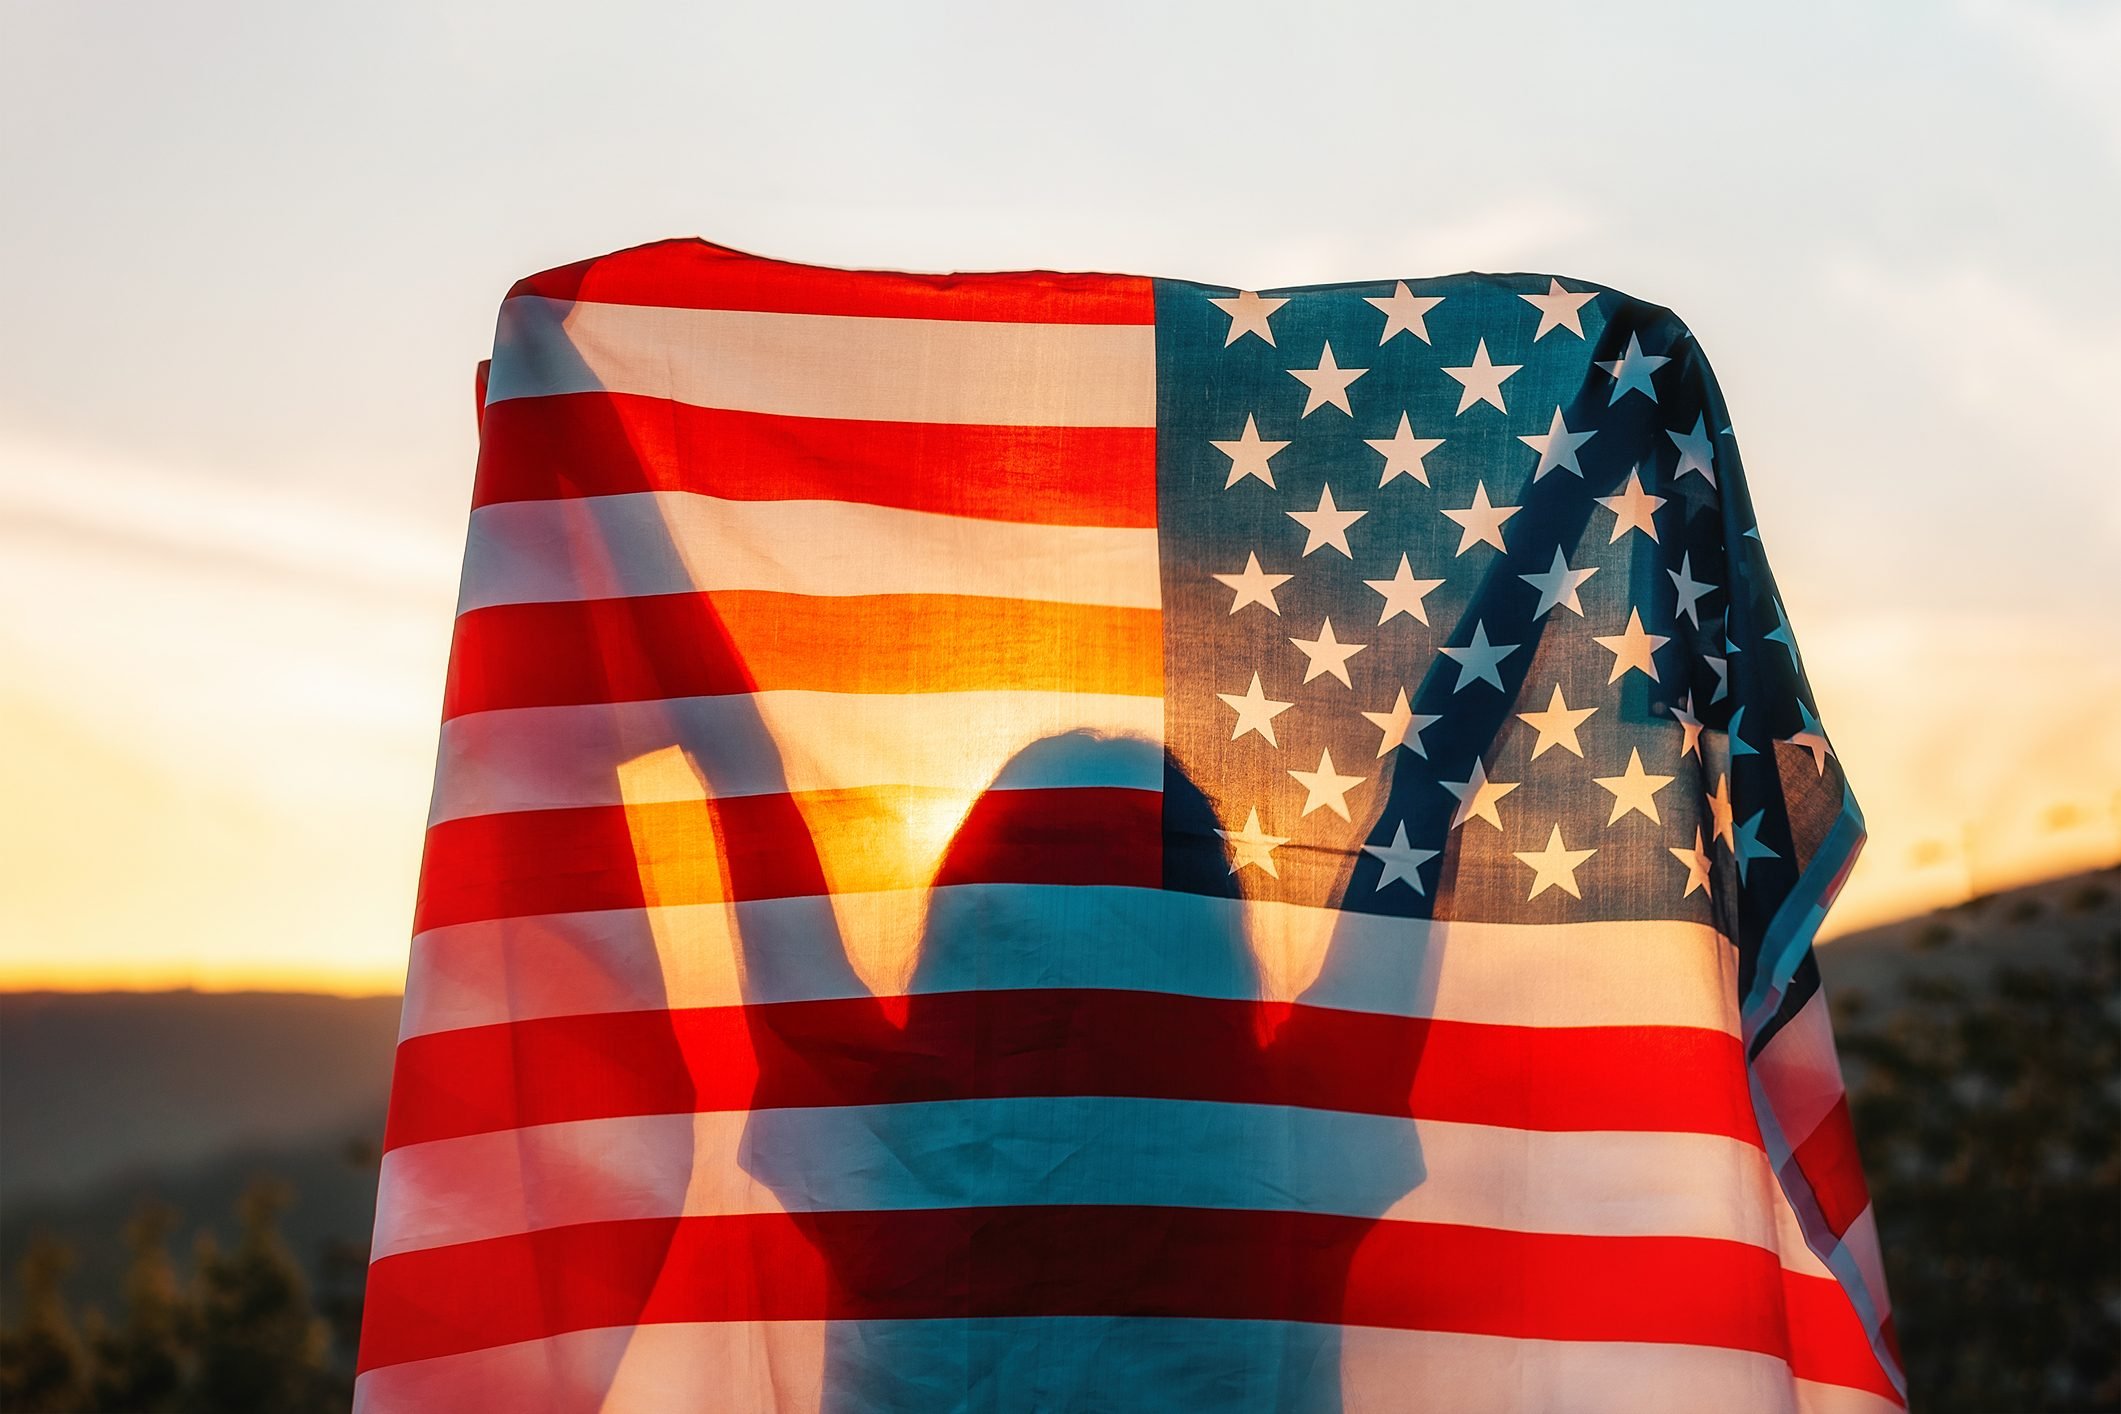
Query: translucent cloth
[1042, 841]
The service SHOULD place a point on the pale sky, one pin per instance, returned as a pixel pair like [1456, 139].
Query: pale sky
[254, 252]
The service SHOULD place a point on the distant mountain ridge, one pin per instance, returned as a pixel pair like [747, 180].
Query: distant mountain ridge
[2034, 926]
[97, 1085]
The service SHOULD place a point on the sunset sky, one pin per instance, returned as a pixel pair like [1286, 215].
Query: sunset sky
[254, 253]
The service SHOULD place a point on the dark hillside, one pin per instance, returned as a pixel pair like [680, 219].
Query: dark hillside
[1982, 1047]
[95, 1085]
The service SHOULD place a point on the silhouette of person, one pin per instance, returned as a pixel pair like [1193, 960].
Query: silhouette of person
[1070, 1063]
[947, 1103]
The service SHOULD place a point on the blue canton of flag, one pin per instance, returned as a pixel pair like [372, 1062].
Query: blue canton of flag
[1466, 615]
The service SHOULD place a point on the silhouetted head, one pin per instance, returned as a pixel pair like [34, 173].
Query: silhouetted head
[1057, 878]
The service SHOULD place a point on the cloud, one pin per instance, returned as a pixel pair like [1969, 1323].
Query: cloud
[2036, 381]
[283, 648]
[52, 490]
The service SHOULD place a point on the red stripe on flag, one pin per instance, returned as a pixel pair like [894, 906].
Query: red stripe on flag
[1006, 1044]
[523, 863]
[1827, 1339]
[1833, 1170]
[603, 444]
[688, 645]
[1087, 1261]
[693, 274]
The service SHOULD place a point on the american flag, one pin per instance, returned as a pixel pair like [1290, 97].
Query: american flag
[1052, 842]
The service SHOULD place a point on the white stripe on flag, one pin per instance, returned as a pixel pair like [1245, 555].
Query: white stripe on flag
[1028, 1152]
[548, 758]
[676, 542]
[1035, 935]
[843, 366]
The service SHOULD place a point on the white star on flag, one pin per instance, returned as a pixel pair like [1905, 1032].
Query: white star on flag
[1249, 455]
[1633, 508]
[1780, 633]
[1557, 586]
[1747, 846]
[1812, 739]
[1252, 845]
[1248, 315]
[1632, 648]
[1402, 726]
[1325, 788]
[1557, 725]
[1737, 744]
[1559, 309]
[1405, 312]
[1696, 861]
[1697, 453]
[1481, 522]
[1634, 790]
[1402, 861]
[1720, 810]
[1404, 593]
[1690, 590]
[1555, 866]
[1691, 725]
[1327, 525]
[1327, 654]
[1557, 447]
[1255, 712]
[1632, 370]
[1477, 795]
[1403, 453]
[1481, 380]
[1328, 383]
[1478, 660]
[1254, 585]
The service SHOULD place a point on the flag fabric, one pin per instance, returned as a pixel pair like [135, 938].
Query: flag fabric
[1033, 841]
